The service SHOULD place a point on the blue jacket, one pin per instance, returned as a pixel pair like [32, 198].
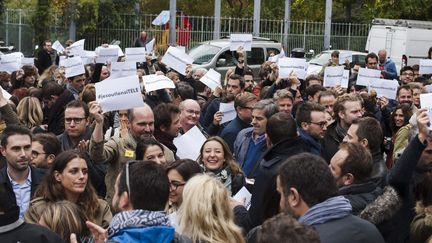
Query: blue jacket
[241, 146]
[314, 144]
[155, 234]
[229, 133]
[390, 71]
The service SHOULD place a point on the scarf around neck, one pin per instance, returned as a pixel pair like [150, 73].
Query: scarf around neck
[137, 219]
[332, 208]
[223, 175]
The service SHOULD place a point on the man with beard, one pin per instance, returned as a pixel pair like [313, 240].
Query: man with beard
[117, 151]
[404, 95]
[249, 80]
[20, 178]
[312, 125]
[308, 192]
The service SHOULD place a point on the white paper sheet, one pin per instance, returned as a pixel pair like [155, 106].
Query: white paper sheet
[57, 46]
[136, 54]
[27, 60]
[189, 144]
[123, 69]
[228, 110]
[176, 59]
[365, 76]
[107, 55]
[384, 87]
[425, 66]
[77, 48]
[345, 56]
[10, 63]
[345, 79]
[88, 57]
[73, 66]
[243, 195]
[212, 79]
[287, 65]
[149, 46]
[240, 40]
[155, 82]
[119, 93]
[333, 76]
[5, 93]
[426, 102]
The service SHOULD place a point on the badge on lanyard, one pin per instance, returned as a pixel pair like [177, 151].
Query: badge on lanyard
[129, 153]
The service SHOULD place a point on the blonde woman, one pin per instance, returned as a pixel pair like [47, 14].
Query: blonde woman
[64, 218]
[29, 111]
[209, 219]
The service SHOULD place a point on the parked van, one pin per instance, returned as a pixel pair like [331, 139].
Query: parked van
[216, 54]
[406, 41]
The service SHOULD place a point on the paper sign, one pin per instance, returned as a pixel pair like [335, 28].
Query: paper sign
[228, 110]
[333, 76]
[155, 82]
[343, 56]
[365, 76]
[181, 48]
[6, 94]
[425, 66]
[241, 40]
[345, 79]
[123, 69]
[77, 48]
[426, 102]
[384, 87]
[189, 144]
[73, 66]
[57, 46]
[288, 65]
[107, 55]
[136, 54]
[61, 60]
[10, 63]
[119, 93]
[27, 60]
[88, 57]
[212, 79]
[176, 59]
[273, 58]
[149, 46]
[243, 195]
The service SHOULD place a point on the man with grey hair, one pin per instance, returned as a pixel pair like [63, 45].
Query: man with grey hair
[386, 65]
[190, 112]
[250, 143]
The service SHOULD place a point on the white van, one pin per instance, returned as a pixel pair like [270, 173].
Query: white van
[406, 41]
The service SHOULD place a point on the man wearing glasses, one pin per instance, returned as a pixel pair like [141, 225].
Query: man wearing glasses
[190, 112]
[406, 75]
[312, 125]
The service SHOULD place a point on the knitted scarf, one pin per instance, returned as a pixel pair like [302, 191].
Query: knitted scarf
[332, 208]
[223, 174]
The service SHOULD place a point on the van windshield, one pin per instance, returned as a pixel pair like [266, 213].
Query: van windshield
[204, 53]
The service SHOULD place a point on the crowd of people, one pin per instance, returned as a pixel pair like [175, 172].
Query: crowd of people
[322, 164]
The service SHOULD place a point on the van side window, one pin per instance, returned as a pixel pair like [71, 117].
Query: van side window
[274, 50]
[228, 56]
[255, 57]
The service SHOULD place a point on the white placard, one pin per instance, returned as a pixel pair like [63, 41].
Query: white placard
[244, 196]
[123, 69]
[107, 55]
[426, 102]
[343, 56]
[228, 111]
[77, 48]
[273, 58]
[88, 57]
[155, 82]
[149, 46]
[10, 63]
[240, 40]
[425, 66]
[57, 46]
[6, 94]
[61, 60]
[177, 60]
[212, 79]
[345, 79]
[384, 87]
[73, 66]
[136, 54]
[333, 76]
[365, 76]
[119, 93]
[181, 48]
[288, 65]
[27, 60]
[189, 144]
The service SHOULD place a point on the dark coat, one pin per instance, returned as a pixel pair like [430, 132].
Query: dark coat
[24, 232]
[229, 133]
[360, 195]
[331, 141]
[56, 113]
[348, 229]
[43, 61]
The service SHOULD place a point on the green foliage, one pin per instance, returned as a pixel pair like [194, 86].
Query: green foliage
[41, 21]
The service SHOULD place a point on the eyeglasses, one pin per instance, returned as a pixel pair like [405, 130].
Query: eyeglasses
[320, 124]
[76, 120]
[175, 184]
[408, 74]
[247, 107]
[36, 153]
[193, 112]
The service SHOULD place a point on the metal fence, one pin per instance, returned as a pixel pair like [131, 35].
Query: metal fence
[17, 29]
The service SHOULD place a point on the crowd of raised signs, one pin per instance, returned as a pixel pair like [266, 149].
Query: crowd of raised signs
[133, 146]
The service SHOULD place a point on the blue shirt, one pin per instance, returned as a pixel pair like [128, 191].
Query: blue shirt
[22, 193]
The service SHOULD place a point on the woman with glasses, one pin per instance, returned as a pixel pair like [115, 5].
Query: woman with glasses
[150, 149]
[209, 219]
[67, 179]
[179, 172]
[217, 160]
